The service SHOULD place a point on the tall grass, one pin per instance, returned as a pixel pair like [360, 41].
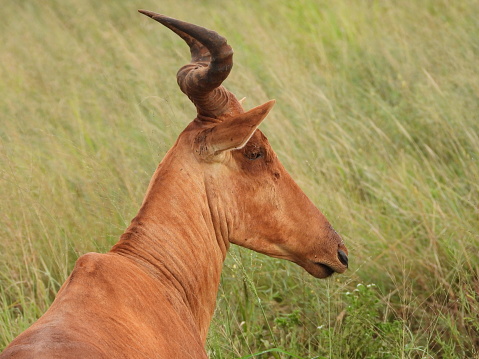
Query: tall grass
[377, 119]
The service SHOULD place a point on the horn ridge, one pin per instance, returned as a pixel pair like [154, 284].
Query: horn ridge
[211, 63]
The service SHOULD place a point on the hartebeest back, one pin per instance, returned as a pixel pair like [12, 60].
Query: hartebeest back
[153, 295]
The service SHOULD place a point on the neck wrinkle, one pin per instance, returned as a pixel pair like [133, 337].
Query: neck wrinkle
[127, 247]
[173, 238]
[219, 224]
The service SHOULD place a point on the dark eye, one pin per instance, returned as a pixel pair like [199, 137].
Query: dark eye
[254, 153]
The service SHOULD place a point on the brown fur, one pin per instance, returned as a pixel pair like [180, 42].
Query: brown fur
[153, 295]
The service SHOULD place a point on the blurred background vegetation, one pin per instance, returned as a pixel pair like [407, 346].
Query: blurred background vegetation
[377, 118]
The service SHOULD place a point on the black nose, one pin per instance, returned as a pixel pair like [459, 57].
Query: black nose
[343, 258]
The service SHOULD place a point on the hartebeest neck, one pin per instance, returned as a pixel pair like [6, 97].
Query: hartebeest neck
[174, 237]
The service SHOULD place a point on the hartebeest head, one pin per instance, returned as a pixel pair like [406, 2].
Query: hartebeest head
[254, 201]
[153, 294]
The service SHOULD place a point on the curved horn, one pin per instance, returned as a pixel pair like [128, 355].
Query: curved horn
[211, 62]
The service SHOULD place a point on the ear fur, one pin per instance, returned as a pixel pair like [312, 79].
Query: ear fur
[236, 132]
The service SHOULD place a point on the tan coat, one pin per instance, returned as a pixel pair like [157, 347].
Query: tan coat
[153, 295]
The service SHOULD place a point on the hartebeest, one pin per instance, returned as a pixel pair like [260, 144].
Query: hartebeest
[153, 295]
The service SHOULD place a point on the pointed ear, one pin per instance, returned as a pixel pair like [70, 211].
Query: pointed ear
[236, 132]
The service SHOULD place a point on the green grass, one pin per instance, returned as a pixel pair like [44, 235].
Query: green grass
[377, 118]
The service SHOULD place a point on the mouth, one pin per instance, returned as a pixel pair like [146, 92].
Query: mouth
[325, 270]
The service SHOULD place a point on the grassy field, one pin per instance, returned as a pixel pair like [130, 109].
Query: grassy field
[377, 118]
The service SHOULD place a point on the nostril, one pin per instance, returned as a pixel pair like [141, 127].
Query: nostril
[343, 258]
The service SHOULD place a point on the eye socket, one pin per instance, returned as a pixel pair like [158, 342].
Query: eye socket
[253, 153]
